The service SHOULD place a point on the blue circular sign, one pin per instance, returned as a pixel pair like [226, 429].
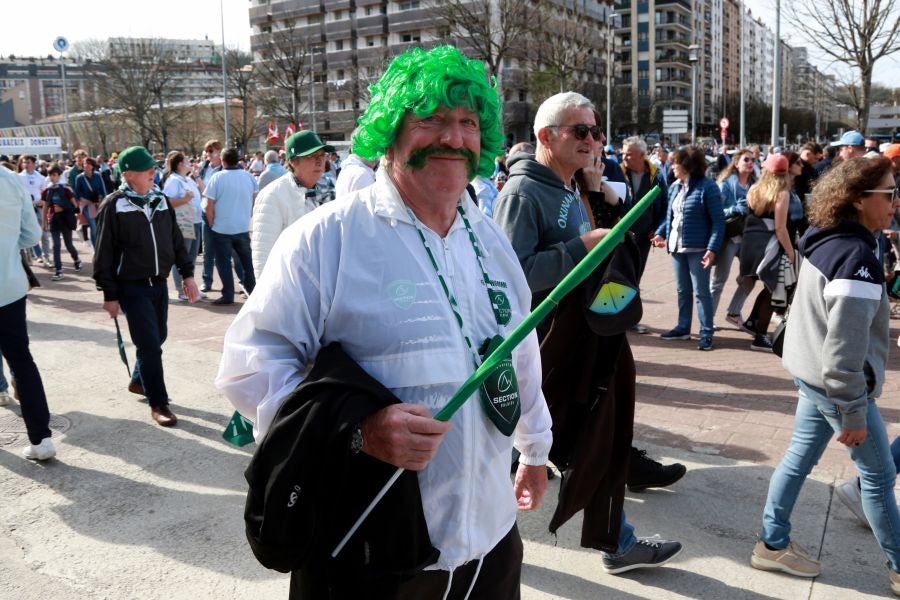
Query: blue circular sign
[60, 44]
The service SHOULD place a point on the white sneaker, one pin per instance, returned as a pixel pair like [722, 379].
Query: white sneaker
[4, 398]
[201, 296]
[42, 451]
[182, 297]
[848, 493]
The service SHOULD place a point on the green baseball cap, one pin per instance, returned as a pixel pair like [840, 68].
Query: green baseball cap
[304, 143]
[135, 158]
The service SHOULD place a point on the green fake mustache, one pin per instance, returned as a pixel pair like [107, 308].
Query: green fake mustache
[417, 159]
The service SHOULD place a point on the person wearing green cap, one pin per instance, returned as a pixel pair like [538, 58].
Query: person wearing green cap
[287, 198]
[138, 241]
[410, 278]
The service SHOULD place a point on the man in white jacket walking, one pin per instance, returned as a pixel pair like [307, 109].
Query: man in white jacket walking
[285, 200]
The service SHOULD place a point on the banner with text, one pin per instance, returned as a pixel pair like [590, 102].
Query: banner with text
[30, 145]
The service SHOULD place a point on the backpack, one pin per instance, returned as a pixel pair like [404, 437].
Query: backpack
[56, 195]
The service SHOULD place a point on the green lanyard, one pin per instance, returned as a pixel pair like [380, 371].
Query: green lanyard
[498, 299]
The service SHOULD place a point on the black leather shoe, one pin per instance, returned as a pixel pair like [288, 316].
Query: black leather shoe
[223, 302]
[163, 415]
[644, 472]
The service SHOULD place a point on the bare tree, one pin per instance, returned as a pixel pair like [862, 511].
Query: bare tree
[562, 49]
[243, 85]
[856, 33]
[491, 30]
[284, 75]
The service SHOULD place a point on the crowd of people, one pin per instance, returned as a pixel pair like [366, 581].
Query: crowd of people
[439, 243]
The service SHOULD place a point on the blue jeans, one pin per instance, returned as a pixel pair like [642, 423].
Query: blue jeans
[209, 254]
[816, 422]
[724, 259]
[193, 247]
[691, 278]
[59, 228]
[92, 224]
[627, 539]
[146, 307]
[225, 244]
[4, 384]
[14, 346]
[42, 248]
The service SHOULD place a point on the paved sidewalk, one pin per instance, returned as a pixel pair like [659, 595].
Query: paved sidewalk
[132, 510]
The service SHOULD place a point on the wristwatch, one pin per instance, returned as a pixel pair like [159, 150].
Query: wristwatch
[356, 439]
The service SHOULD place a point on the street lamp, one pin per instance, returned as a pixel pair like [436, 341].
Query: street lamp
[609, 68]
[693, 57]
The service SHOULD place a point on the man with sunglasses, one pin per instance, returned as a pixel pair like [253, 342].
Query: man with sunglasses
[541, 211]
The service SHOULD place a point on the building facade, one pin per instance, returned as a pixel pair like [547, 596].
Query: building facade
[348, 44]
[32, 89]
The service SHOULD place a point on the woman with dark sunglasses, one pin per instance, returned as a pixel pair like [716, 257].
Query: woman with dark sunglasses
[734, 182]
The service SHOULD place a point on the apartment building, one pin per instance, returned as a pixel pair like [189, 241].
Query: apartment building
[350, 42]
[31, 89]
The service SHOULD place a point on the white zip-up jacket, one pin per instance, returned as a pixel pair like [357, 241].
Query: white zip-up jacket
[281, 203]
[356, 272]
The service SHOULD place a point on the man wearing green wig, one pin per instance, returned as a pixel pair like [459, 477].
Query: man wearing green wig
[413, 282]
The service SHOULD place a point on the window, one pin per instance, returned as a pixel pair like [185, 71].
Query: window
[315, 19]
[339, 74]
[265, 29]
[339, 44]
[523, 95]
[370, 42]
[409, 4]
[342, 105]
[370, 10]
[319, 78]
[338, 15]
[412, 36]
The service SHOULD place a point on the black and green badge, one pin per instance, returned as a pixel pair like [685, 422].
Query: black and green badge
[500, 391]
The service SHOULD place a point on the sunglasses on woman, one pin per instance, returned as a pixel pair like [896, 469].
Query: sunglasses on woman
[581, 130]
[892, 193]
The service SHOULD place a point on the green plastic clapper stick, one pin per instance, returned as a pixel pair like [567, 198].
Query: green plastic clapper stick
[581, 271]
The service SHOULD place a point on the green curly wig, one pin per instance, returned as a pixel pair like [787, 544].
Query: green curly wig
[422, 81]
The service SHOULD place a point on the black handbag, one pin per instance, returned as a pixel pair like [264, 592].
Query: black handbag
[734, 225]
[778, 338]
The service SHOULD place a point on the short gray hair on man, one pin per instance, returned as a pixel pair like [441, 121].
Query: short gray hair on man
[551, 110]
[635, 141]
[271, 157]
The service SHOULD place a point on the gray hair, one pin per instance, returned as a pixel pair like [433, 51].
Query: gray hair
[552, 109]
[271, 157]
[635, 141]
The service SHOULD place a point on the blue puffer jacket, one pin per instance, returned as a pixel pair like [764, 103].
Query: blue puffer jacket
[704, 220]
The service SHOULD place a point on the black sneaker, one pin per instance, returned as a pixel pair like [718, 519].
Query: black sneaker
[205, 288]
[56, 276]
[676, 334]
[78, 266]
[749, 326]
[644, 472]
[647, 552]
[761, 343]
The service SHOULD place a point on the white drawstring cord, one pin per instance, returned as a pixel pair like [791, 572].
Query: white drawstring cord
[449, 584]
[475, 577]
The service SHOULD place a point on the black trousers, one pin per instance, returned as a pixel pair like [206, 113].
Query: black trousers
[498, 579]
[30, 387]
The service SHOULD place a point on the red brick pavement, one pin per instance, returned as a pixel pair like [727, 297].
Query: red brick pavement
[732, 402]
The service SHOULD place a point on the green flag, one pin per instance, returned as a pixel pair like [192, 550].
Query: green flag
[239, 430]
[121, 345]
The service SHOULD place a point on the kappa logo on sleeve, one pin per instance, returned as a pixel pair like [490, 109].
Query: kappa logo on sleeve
[863, 272]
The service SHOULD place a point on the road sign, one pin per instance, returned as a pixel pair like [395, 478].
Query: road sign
[724, 122]
[675, 121]
[60, 44]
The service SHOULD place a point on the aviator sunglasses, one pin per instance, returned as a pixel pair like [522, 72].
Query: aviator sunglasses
[581, 130]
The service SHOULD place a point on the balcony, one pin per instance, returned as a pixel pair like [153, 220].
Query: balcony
[682, 3]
